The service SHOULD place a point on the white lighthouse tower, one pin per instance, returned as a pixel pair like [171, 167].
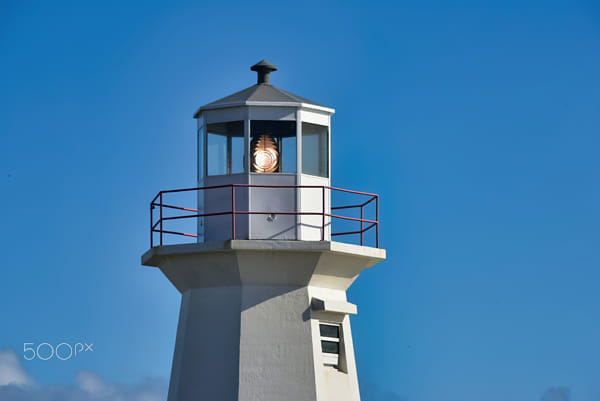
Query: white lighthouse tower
[264, 314]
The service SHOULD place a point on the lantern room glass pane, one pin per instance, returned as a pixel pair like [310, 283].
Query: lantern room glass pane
[273, 146]
[216, 154]
[315, 149]
[288, 163]
[225, 148]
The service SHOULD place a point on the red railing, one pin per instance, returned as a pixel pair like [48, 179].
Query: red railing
[365, 224]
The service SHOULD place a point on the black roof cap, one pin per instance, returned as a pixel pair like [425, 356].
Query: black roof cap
[264, 69]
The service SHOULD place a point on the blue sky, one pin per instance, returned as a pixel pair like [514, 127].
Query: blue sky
[486, 121]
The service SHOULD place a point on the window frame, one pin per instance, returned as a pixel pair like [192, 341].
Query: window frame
[331, 359]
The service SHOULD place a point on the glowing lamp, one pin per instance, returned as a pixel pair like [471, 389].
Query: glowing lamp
[265, 154]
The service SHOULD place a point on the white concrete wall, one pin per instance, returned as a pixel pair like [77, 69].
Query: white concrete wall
[206, 358]
[276, 358]
[256, 342]
[248, 330]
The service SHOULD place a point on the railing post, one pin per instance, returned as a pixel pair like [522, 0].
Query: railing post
[151, 223]
[361, 225]
[233, 211]
[161, 218]
[377, 220]
[323, 215]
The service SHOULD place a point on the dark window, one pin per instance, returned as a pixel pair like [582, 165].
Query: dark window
[330, 347]
[328, 330]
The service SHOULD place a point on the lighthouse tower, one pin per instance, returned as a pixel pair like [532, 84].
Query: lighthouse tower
[264, 314]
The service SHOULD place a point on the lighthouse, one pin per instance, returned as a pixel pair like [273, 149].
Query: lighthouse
[263, 250]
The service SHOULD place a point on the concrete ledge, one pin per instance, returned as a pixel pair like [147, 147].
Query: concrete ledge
[153, 256]
[341, 307]
[323, 264]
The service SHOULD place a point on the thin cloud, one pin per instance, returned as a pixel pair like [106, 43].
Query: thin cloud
[17, 385]
[11, 369]
[556, 394]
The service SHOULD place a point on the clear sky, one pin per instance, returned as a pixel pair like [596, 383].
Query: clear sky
[478, 123]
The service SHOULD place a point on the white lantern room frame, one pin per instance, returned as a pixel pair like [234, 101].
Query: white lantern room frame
[257, 226]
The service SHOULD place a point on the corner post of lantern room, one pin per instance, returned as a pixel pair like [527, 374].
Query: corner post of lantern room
[247, 162]
[200, 172]
[298, 115]
[315, 194]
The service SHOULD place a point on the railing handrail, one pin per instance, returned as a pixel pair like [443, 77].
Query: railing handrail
[168, 191]
[233, 212]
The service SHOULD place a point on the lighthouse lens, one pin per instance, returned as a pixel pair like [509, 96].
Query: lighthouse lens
[272, 146]
[265, 154]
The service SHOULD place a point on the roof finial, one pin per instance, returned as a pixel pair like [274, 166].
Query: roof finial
[263, 68]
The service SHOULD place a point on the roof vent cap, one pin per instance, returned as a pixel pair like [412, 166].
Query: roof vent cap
[264, 69]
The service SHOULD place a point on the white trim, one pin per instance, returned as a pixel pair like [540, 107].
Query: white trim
[247, 136]
[329, 149]
[301, 105]
[332, 360]
[298, 173]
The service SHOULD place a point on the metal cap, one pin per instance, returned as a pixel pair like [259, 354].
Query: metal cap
[263, 68]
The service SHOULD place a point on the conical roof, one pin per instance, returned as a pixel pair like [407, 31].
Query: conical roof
[259, 94]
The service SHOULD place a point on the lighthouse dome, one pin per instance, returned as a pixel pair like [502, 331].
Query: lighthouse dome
[263, 93]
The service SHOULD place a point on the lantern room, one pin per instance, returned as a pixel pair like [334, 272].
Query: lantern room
[265, 153]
